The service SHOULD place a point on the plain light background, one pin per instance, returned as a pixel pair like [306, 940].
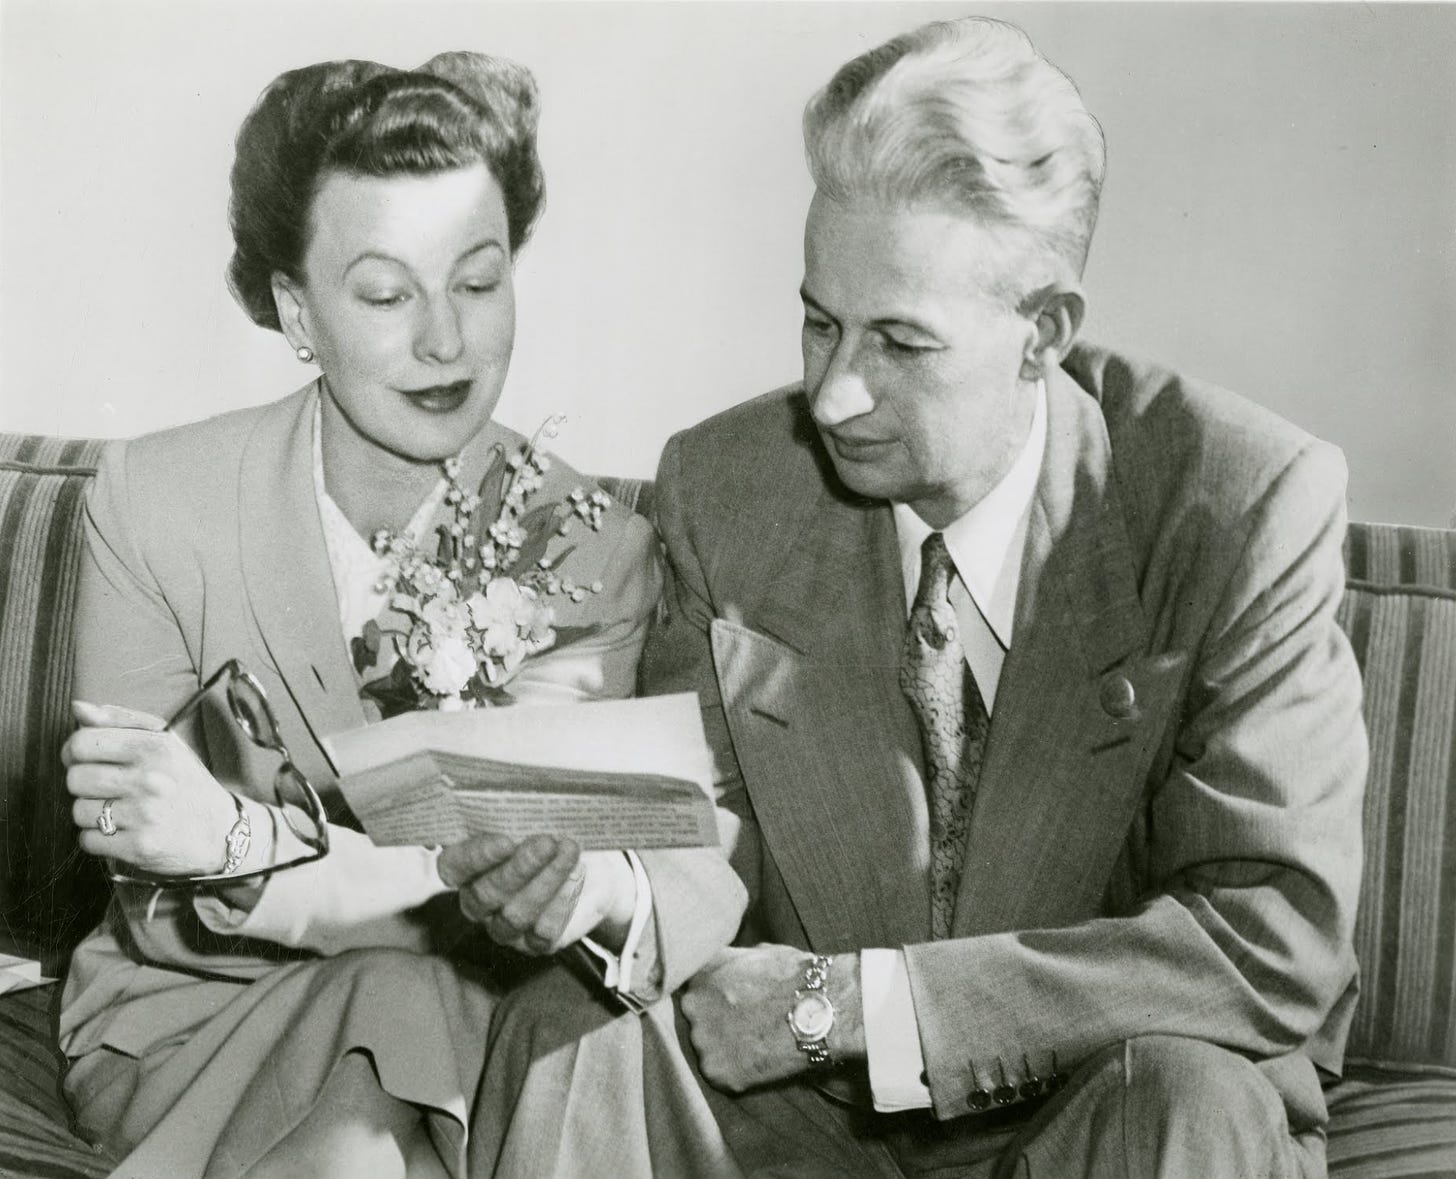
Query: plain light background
[1279, 214]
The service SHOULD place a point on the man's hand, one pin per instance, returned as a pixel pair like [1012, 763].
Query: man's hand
[543, 893]
[737, 1007]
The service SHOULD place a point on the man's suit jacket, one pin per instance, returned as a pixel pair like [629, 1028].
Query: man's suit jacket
[1166, 835]
[204, 544]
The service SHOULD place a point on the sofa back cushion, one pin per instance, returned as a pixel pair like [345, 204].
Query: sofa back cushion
[1401, 620]
[635, 494]
[50, 894]
[1401, 555]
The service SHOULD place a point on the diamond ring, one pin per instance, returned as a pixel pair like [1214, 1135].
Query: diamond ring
[104, 822]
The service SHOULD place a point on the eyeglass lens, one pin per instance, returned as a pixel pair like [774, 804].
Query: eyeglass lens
[252, 712]
[295, 795]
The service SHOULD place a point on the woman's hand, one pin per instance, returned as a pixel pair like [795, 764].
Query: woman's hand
[543, 893]
[171, 815]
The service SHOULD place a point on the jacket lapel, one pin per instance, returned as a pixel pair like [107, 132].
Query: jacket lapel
[1080, 706]
[288, 580]
[828, 747]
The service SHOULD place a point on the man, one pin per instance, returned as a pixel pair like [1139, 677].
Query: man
[1042, 746]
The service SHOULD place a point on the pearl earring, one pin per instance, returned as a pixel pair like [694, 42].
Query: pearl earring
[305, 354]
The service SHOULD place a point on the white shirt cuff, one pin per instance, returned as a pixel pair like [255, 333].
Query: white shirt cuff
[892, 1037]
[358, 896]
[617, 969]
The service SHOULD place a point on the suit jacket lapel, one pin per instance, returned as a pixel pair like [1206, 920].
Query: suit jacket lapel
[288, 579]
[826, 740]
[1069, 744]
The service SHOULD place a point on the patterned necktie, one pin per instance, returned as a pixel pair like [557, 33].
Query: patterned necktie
[943, 694]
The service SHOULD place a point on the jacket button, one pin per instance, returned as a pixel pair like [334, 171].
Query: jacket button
[979, 1099]
[1118, 699]
[924, 1078]
[1004, 1094]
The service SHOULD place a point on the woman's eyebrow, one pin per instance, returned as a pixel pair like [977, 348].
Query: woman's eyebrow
[372, 255]
[381, 256]
[487, 244]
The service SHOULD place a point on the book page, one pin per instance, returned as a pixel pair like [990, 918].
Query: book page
[609, 775]
[650, 734]
[596, 822]
[408, 801]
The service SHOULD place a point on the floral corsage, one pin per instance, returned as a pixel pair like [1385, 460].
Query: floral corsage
[463, 622]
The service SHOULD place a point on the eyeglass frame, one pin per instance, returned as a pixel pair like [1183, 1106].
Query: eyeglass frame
[234, 670]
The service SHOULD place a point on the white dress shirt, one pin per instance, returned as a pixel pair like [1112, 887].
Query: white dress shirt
[986, 545]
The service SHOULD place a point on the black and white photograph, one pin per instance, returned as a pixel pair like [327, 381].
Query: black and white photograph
[712, 590]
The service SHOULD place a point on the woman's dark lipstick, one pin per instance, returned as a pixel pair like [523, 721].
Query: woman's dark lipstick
[439, 398]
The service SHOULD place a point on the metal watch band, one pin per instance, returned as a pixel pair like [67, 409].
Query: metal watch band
[816, 973]
[816, 1051]
[239, 839]
[816, 978]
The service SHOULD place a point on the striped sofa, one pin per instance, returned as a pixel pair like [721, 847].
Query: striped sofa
[1393, 1115]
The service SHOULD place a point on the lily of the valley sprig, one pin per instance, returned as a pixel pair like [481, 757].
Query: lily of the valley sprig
[463, 621]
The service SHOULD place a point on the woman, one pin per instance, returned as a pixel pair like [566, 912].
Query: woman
[332, 1016]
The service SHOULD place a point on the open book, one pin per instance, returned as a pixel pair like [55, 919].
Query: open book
[609, 774]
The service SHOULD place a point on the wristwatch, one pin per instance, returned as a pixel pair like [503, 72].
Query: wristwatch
[811, 1015]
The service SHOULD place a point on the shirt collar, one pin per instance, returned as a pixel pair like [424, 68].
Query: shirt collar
[987, 542]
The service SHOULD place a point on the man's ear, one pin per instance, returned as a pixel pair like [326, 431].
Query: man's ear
[1058, 310]
[288, 299]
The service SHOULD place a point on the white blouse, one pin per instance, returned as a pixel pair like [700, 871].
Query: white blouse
[357, 568]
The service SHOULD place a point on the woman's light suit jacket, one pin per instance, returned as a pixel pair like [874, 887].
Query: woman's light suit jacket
[203, 544]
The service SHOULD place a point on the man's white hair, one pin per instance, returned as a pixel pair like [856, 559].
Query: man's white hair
[966, 115]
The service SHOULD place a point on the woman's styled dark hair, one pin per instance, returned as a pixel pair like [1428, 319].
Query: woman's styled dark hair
[362, 118]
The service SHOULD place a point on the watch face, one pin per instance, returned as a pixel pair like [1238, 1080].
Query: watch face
[812, 1015]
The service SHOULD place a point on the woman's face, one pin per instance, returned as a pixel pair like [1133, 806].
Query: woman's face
[408, 304]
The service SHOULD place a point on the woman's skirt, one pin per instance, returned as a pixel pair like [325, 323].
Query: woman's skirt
[535, 1077]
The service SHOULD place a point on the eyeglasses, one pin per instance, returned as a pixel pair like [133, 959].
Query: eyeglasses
[294, 792]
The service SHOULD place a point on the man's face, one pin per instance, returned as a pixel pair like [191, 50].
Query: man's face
[912, 366]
